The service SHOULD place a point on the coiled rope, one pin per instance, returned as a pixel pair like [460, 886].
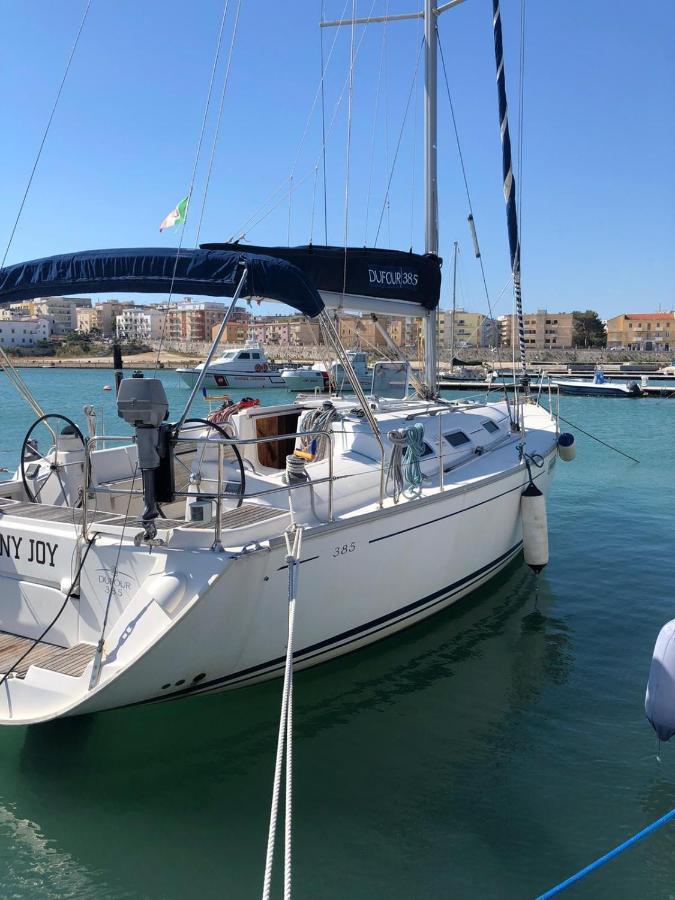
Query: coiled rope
[319, 419]
[405, 471]
[285, 737]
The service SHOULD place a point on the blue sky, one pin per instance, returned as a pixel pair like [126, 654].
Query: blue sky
[598, 225]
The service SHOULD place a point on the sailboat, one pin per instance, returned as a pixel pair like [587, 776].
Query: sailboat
[161, 566]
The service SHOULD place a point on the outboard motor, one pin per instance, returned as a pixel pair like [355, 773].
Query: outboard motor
[142, 402]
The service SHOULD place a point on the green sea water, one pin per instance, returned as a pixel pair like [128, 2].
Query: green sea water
[486, 753]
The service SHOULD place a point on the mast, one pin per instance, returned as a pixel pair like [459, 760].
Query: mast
[454, 306]
[430, 180]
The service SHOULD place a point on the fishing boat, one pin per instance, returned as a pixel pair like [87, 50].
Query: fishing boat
[598, 387]
[239, 369]
[167, 563]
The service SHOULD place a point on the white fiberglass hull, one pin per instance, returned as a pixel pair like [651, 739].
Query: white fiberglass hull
[360, 580]
[606, 389]
[303, 379]
[233, 380]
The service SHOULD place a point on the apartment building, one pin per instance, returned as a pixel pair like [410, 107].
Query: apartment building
[362, 331]
[101, 317]
[543, 330]
[288, 330]
[193, 320]
[472, 329]
[642, 331]
[61, 312]
[235, 332]
[140, 323]
[23, 332]
[405, 332]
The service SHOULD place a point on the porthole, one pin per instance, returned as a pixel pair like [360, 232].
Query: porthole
[165, 686]
[198, 678]
[490, 426]
[179, 682]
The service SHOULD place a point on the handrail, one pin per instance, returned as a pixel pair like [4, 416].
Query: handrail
[89, 488]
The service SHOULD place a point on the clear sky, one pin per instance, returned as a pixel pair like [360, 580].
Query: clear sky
[598, 223]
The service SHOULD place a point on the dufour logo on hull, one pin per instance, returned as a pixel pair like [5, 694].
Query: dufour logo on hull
[393, 277]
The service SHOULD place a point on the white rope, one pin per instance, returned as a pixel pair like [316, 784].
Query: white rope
[216, 133]
[285, 736]
[46, 132]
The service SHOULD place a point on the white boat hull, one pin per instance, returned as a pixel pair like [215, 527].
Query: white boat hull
[233, 381]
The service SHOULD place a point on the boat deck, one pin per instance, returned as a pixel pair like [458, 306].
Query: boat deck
[66, 660]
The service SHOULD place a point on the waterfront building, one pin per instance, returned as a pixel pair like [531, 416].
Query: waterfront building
[61, 312]
[543, 330]
[291, 330]
[405, 332]
[190, 320]
[140, 323]
[642, 331]
[101, 317]
[472, 329]
[23, 332]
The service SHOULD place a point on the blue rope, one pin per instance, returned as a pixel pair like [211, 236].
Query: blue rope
[606, 858]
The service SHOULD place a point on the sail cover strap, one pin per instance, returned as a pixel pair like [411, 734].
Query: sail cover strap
[509, 179]
[370, 272]
[212, 273]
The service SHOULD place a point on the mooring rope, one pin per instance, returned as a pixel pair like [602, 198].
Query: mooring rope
[606, 858]
[285, 736]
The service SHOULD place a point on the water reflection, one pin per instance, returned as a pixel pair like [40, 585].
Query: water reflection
[181, 791]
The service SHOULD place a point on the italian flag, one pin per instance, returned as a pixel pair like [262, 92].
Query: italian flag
[176, 216]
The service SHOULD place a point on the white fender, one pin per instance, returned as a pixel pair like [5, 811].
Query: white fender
[660, 696]
[567, 448]
[535, 527]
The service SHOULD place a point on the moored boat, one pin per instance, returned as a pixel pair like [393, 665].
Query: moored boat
[239, 369]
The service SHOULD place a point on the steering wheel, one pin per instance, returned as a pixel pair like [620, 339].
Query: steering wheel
[30, 455]
[221, 431]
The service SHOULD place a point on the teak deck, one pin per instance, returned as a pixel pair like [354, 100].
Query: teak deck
[66, 660]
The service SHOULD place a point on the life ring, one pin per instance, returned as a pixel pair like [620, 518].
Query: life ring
[258, 367]
[265, 367]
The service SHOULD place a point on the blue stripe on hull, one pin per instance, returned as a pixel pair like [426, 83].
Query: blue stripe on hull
[351, 636]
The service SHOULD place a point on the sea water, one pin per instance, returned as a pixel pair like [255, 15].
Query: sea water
[487, 753]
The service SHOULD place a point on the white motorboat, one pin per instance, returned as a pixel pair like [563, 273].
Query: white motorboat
[247, 368]
[359, 362]
[166, 564]
[598, 387]
[305, 378]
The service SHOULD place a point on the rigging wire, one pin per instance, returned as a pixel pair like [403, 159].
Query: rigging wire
[220, 115]
[46, 131]
[414, 159]
[398, 143]
[323, 131]
[318, 93]
[375, 114]
[521, 99]
[214, 67]
[350, 106]
[260, 215]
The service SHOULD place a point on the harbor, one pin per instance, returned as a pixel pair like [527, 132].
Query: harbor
[336, 552]
[518, 703]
